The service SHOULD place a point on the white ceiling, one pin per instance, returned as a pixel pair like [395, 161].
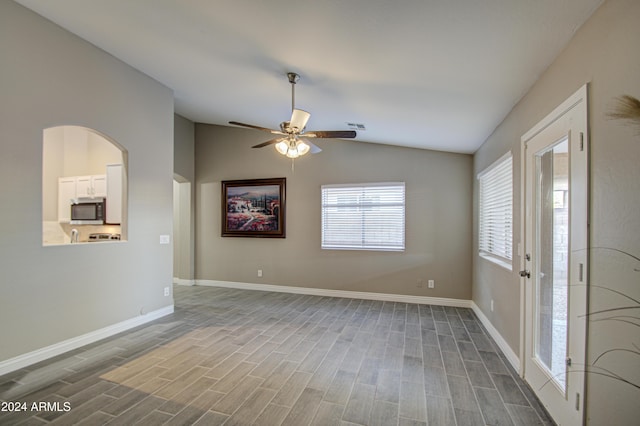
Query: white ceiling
[436, 74]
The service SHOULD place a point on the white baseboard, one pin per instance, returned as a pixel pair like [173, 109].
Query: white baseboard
[514, 360]
[42, 354]
[180, 281]
[402, 298]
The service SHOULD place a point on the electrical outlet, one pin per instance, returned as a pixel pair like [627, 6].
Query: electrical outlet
[165, 239]
[259, 272]
[166, 291]
[420, 283]
[491, 305]
[432, 284]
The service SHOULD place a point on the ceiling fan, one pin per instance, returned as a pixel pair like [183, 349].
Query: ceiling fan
[292, 139]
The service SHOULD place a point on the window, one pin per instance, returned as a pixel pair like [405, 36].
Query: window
[496, 211]
[363, 216]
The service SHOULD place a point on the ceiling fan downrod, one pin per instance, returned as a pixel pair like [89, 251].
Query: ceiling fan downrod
[293, 79]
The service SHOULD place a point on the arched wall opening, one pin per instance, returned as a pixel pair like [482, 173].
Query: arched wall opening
[84, 174]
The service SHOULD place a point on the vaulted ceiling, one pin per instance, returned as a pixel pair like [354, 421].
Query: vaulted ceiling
[433, 74]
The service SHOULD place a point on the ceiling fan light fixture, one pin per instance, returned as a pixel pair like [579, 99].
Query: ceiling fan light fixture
[293, 148]
[303, 148]
[282, 147]
[293, 153]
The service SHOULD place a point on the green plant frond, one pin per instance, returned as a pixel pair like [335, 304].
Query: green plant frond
[623, 319]
[595, 370]
[626, 108]
[631, 351]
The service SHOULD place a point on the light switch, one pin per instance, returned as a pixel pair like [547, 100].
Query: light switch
[165, 239]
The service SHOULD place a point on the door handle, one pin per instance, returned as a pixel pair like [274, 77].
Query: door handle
[525, 273]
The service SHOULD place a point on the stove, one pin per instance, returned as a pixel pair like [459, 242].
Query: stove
[103, 237]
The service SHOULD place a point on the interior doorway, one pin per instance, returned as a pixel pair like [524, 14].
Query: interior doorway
[183, 233]
[554, 265]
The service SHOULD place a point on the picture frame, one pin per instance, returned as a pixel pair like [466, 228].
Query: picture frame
[254, 208]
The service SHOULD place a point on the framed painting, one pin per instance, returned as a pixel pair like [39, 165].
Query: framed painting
[254, 208]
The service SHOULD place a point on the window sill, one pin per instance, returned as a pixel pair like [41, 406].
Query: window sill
[498, 261]
[363, 248]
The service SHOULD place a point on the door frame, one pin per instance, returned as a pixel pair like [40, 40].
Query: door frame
[579, 97]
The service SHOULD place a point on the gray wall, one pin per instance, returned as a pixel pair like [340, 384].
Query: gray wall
[50, 77]
[604, 52]
[184, 148]
[438, 216]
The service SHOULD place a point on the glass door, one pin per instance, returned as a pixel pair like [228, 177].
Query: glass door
[552, 252]
[554, 261]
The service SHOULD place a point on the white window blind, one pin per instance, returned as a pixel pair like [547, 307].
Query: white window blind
[363, 216]
[496, 211]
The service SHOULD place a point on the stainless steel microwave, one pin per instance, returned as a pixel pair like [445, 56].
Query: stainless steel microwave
[87, 211]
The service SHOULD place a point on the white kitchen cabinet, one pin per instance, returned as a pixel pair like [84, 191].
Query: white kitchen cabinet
[71, 187]
[91, 186]
[115, 193]
[99, 184]
[66, 191]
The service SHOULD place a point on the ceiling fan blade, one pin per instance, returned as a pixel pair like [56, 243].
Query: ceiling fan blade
[299, 119]
[314, 148]
[338, 134]
[264, 129]
[269, 142]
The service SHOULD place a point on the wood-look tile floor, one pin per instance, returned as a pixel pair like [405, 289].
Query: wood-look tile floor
[238, 357]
